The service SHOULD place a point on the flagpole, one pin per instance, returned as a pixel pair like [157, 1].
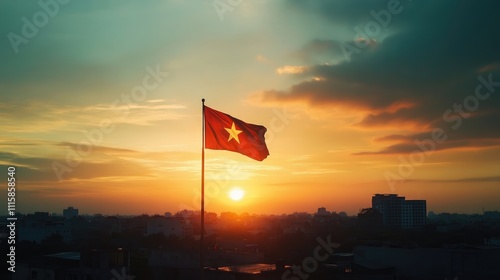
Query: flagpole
[202, 225]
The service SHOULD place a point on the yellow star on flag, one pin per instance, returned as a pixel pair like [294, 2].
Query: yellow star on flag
[233, 133]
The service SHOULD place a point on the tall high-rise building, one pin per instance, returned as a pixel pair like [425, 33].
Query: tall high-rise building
[414, 213]
[390, 205]
[400, 213]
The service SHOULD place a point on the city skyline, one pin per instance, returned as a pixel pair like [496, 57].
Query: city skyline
[72, 211]
[101, 104]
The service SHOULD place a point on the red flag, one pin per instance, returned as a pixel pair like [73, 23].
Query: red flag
[224, 132]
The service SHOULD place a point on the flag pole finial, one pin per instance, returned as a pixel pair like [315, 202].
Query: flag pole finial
[203, 100]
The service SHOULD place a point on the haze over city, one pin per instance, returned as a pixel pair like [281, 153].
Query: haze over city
[101, 104]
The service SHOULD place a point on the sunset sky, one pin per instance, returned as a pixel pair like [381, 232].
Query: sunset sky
[100, 103]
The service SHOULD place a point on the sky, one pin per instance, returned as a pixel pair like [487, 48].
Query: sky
[100, 103]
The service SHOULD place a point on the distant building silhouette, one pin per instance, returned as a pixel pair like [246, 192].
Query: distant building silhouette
[168, 226]
[398, 212]
[39, 226]
[70, 212]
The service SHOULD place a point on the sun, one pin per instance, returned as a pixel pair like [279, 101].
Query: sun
[236, 194]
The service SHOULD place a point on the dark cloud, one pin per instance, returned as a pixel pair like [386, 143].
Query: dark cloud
[98, 149]
[41, 169]
[430, 62]
[432, 45]
[339, 11]
[321, 50]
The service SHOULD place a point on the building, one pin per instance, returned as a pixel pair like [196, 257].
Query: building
[168, 226]
[39, 226]
[70, 213]
[398, 212]
[390, 206]
[414, 213]
[431, 263]
[87, 264]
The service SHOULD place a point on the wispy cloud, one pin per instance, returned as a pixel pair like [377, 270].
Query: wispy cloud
[290, 69]
[37, 117]
[486, 179]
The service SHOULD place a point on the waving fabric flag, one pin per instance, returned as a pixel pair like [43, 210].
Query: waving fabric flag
[224, 132]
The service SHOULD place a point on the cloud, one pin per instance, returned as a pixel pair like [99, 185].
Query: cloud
[40, 169]
[486, 179]
[36, 117]
[98, 149]
[312, 171]
[322, 51]
[261, 58]
[290, 69]
[476, 132]
[410, 80]
[340, 12]
[35, 162]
